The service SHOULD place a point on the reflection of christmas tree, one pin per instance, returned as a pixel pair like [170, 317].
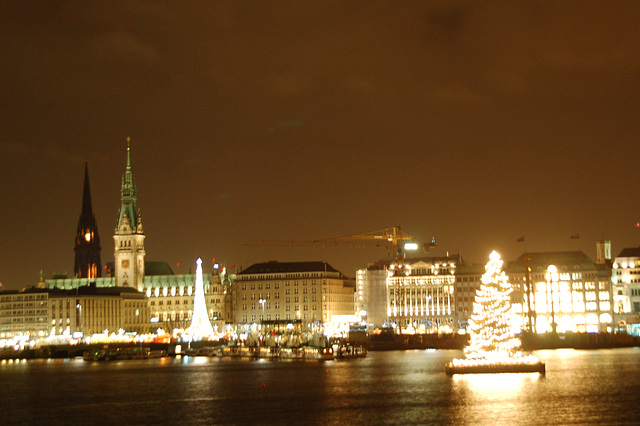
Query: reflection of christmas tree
[493, 347]
[491, 335]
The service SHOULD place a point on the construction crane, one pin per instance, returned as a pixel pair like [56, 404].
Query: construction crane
[391, 238]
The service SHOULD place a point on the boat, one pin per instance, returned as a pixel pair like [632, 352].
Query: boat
[350, 351]
[207, 351]
[99, 355]
[268, 352]
[231, 351]
[537, 367]
[320, 354]
[287, 353]
[157, 353]
[248, 351]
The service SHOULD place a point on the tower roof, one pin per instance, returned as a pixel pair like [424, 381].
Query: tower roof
[87, 218]
[129, 196]
[87, 210]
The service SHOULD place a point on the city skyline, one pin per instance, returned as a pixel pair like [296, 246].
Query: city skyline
[475, 124]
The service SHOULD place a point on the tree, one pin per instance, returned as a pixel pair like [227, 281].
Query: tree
[491, 336]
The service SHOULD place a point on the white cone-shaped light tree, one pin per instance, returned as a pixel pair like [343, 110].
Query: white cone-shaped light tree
[492, 339]
[200, 324]
[491, 335]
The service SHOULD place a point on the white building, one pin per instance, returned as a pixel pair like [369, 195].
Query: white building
[625, 278]
[422, 293]
[312, 292]
[576, 297]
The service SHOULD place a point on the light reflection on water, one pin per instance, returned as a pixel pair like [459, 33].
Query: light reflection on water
[580, 387]
[484, 398]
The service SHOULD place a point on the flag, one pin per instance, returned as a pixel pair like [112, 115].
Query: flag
[520, 240]
[575, 236]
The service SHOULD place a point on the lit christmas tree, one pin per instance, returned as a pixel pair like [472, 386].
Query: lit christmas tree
[491, 335]
[493, 347]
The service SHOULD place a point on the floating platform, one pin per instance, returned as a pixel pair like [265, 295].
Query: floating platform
[537, 367]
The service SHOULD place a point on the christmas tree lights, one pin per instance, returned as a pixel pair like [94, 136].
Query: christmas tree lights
[200, 324]
[493, 347]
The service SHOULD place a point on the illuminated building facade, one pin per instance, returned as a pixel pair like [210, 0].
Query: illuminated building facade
[468, 280]
[371, 294]
[421, 293]
[570, 292]
[169, 296]
[312, 292]
[87, 310]
[87, 245]
[23, 313]
[625, 278]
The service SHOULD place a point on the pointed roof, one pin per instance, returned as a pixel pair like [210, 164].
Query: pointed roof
[87, 210]
[129, 196]
[87, 218]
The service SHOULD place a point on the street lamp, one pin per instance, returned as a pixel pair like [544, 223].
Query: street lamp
[552, 278]
[261, 302]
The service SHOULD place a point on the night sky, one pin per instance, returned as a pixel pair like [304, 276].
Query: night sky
[473, 122]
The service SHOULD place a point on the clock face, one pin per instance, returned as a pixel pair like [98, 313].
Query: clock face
[125, 263]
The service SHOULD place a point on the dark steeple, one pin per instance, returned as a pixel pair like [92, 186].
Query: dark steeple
[87, 210]
[87, 264]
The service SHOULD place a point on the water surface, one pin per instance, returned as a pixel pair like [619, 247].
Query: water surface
[399, 387]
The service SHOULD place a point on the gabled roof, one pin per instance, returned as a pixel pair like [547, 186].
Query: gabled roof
[274, 267]
[570, 259]
[630, 252]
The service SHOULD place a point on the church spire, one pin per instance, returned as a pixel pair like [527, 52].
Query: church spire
[87, 211]
[87, 246]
